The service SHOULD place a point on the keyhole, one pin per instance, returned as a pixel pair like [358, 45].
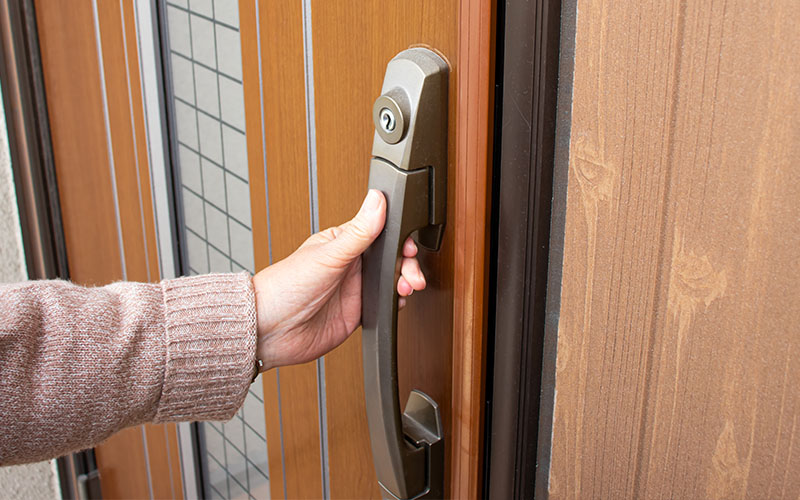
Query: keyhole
[387, 120]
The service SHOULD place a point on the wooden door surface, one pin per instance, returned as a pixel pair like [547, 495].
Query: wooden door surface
[674, 361]
[310, 71]
[321, 66]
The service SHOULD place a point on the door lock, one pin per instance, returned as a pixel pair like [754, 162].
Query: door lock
[390, 114]
[409, 165]
[387, 120]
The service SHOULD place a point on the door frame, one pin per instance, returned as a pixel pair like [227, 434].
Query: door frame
[566, 65]
[30, 147]
[525, 123]
[33, 170]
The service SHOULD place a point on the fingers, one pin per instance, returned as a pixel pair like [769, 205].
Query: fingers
[409, 269]
[409, 248]
[354, 236]
[411, 277]
[404, 289]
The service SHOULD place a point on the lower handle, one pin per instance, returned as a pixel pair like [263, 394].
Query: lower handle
[406, 449]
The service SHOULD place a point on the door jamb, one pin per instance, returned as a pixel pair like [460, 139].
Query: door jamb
[30, 147]
[523, 183]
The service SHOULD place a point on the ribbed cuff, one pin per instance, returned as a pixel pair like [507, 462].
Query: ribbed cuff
[210, 326]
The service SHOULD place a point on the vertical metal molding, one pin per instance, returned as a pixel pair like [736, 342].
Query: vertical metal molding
[157, 149]
[263, 131]
[269, 230]
[311, 138]
[147, 460]
[311, 129]
[109, 142]
[189, 460]
[280, 422]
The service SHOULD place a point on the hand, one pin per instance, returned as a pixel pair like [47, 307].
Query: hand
[310, 302]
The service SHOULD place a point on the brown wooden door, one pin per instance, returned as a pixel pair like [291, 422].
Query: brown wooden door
[322, 65]
[675, 354]
[306, 73]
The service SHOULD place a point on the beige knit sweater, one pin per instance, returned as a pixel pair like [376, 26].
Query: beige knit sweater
[78, 364]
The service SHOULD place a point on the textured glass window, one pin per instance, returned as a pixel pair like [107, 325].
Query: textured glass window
[204, 66]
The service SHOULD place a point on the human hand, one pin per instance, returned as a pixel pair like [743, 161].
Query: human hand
[310, 302]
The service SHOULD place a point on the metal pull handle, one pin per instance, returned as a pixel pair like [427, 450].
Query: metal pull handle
[409, 165]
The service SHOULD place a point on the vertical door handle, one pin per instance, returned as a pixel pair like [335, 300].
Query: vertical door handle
[409, 165]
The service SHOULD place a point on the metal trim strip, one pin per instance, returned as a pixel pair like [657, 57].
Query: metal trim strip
[311, 138]
[108, 138]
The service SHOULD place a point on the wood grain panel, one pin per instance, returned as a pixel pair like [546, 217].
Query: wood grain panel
[343, 101]
[251, 79]
[274, 439]
[429, 333]
[123, 141]
[72, 84]
[289, 224]
[163, 460]
[122, 465]
[473, 185]
[255, 133]
[253, 100]
[677, 341]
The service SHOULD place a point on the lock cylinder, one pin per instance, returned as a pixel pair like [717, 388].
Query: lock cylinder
[410, 119]
[389, 115]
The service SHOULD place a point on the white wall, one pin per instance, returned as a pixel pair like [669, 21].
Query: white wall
[34, 480]
[12, 260]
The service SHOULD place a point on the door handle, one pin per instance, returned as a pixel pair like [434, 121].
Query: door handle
[409, 165]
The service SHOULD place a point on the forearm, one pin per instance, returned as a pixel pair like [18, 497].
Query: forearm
[78, 364]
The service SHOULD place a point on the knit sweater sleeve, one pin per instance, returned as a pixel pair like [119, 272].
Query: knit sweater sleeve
[78, 364]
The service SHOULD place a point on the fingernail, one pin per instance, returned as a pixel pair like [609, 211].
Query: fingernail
[371, 202]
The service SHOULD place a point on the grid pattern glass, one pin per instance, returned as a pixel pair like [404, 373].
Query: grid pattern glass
[207, 100]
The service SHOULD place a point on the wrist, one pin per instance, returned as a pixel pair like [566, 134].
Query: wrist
[264, 354]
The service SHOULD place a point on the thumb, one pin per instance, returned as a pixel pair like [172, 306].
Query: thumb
[355, 235]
